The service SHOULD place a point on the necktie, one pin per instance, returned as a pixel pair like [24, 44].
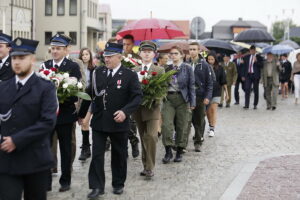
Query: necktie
[0, 63]
[19, 86]
[145, 68]
[250, 66]
[109, 77]
[56, 66]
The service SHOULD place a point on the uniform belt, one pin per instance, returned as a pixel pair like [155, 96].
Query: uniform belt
[173, 92]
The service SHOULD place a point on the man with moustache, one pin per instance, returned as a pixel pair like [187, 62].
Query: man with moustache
[116, 93]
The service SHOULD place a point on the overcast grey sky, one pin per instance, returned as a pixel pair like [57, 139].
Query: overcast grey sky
[212, 11]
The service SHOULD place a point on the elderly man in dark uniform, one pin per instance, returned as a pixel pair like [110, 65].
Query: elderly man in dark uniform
[67, 110]
[116, 94]
[6, 71]
[27, 118]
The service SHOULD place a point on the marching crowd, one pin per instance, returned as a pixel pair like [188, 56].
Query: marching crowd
[33, 122]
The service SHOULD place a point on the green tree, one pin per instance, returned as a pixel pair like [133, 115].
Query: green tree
[296, 39]
[278, 28]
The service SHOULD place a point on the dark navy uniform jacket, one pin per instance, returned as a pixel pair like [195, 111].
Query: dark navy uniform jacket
[6, 71]
[33, 117]
[122, 92]
[67, 110]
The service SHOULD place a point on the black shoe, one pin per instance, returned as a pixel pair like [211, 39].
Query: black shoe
[227, 106]
[255, 107]
[143, 173]
[273, 108]
[118, 190]
[85, 153]
[236, 103]
[220, 105]
[178, 157]
[168, 155]
[95, 193]
[135, 150]
[246, 107]
[64, 188]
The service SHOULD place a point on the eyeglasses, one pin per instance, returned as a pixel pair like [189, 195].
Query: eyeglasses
[175, 53]
[193, 49]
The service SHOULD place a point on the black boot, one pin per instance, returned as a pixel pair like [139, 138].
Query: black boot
[178, 157]
[82, 156]
[135, 150]
[168, 155]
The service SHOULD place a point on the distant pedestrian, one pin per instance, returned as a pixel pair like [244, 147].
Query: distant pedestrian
[284, 76]
[270, 78]
[296, 77]
[251, 76]
[231, 77]
[218, 84]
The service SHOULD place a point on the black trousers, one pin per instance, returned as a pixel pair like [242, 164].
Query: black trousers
[33, 185]
[64, 136]
[250, 81]
[237, 87]
[118, 159]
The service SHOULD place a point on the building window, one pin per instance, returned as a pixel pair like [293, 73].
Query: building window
[73, 35]
[48, 7]
[48, 36]
[73, 7]
[60, 7]
[60, 32]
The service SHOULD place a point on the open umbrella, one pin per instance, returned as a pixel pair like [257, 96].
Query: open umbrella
[219, 46]
[254, 35]
[278, 49]
[290, 43]
[184, 45]
[243, 45]
[151, 29]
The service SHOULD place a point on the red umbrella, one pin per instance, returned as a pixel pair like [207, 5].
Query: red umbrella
[151, 29]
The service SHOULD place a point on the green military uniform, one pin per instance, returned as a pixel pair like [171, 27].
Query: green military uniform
[270, 78]
[148, 120]
[231, 76]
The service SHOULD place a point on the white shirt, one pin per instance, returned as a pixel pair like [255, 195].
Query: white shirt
[23, 81]
[251, 64]
[59, 63]
[148, 66]
[3, 61]
[114, 70]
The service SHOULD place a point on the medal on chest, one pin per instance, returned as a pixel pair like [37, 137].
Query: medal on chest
[119, 82]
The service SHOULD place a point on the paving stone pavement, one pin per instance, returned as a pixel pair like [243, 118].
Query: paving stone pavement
[274, 179]
[240, 136]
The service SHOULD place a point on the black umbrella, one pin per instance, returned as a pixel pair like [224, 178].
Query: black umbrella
[219, 46]
[254, 35]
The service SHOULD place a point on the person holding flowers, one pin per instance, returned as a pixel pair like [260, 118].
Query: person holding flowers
[148, 118]
[67, 110]
[177, 107]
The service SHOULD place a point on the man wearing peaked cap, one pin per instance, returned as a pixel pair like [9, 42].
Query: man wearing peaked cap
[27, 117]
[148, 119]
[67, 114]
[116, 94]
[6, 71]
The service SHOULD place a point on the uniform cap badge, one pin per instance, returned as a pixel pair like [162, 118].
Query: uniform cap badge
[18, 42]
